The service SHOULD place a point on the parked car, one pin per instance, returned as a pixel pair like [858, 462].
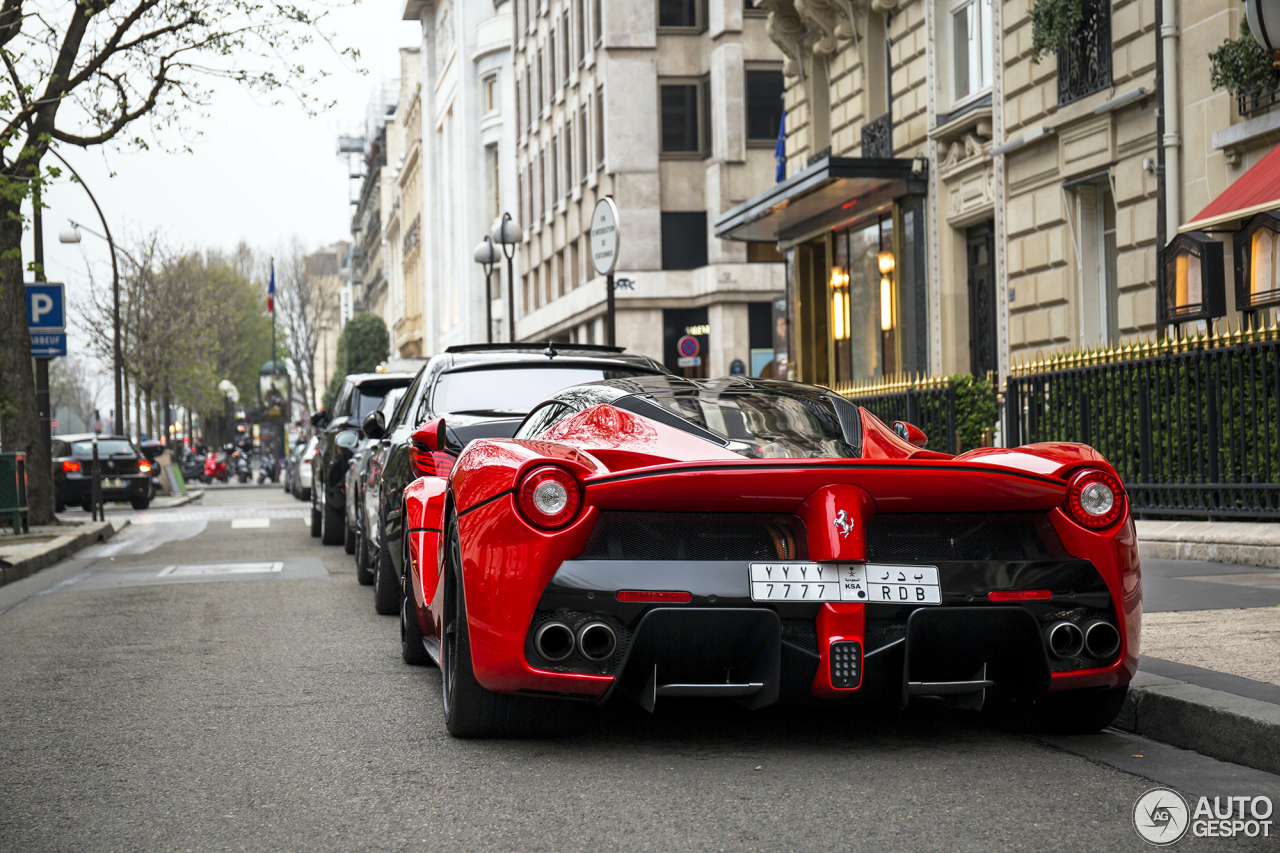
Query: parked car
[484, 391]
[125, 472]
[763, 540]
[291, 467]
[302, 474]
[339, 433]
[357, 474]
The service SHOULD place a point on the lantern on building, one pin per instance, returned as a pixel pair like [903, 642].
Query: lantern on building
[1194, 280]
[886, 290]
[1264, 23]
[1257, 262]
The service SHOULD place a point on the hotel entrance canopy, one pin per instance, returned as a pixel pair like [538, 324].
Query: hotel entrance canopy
[831, 192]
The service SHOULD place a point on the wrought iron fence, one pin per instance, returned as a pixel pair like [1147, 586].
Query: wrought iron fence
[926, 402]
[1190, 423]
[1257, 101]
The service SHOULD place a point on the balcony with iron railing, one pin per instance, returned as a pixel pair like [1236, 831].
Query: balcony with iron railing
[1084, 63]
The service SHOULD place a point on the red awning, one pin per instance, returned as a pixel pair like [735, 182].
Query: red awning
[1253, 192]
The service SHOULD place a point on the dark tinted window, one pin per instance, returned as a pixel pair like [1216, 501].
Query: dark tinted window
[106, 447]
[677, 13]
[764, 104]
[542, 419]
[407, 401]
[369, 396]
[341, 404]
[680, 118]
[684, 240]
[761, 425]
[511, 390]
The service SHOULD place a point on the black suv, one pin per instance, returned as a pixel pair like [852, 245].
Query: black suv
[125, 472]
[337, 436]
[482, 391]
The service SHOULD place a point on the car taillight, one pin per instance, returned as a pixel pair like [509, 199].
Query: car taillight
[1095, 499]
[144, 468]
[70, 465]
[549, 497]
[1020, 595]
[430, 463]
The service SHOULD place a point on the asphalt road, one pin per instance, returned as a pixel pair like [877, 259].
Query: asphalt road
[264, 712]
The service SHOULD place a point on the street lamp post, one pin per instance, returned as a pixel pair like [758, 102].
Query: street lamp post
[486, 256]
[508, 234]
[72, 235]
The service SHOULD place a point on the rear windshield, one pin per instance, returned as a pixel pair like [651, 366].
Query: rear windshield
[106, 447]
[511, 390]
[369, 396]
[762, 425]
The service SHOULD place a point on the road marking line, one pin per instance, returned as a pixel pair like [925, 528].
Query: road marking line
[250, 522]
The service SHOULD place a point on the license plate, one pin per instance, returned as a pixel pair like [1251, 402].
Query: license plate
[854, 582]
[112, 483]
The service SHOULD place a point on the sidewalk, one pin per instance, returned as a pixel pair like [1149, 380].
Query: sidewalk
[1246, 543]
[30, 552]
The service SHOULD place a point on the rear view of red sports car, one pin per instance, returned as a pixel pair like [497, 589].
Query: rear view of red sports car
[766, 541]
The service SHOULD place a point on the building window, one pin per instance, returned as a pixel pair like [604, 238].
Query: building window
[970, 45]
[764, 104]
[528, 17]
[1096, 259]
[555, 169]
[1084, 64]
[523, 214]
[584, 145]
[751, 10]
[566, 36]
[542, 182]
[600, 128]
[597, 22]
[581, 6]
[541, 84]
[551, 65]
[684, 240]
[682, 14]
[492, 160]
[491, 94]
[685, 113]
[568, 157]
[519, 116]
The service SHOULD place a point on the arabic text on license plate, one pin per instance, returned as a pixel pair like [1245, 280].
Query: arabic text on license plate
[794, 582]
[903, 584]
[858, 582]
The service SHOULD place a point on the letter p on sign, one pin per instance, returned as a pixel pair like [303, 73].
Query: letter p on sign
[45, 307]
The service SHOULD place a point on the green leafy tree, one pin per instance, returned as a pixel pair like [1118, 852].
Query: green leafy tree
[81, 73]
[1241, 65]
[1053, 22]
[363, 345]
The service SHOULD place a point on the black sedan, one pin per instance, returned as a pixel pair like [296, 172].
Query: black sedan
[338, 433]
[125, 472]
[357, 477]
[482, 391]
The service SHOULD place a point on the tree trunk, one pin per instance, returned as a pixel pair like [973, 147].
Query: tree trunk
[19, 419]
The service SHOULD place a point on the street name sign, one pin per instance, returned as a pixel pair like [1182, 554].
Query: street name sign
[48, 344]
[604, 236]
[45, 308]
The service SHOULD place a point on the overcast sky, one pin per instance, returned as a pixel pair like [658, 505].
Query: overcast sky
[258, 173]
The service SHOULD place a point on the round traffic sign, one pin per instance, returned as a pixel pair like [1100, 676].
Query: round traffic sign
[688, 346]
[604, 236]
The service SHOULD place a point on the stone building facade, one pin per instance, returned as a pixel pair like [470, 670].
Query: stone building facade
[671, 109]
[1032, 221]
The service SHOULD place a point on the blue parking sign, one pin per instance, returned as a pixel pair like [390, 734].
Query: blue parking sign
[48, 344]
[45, 308]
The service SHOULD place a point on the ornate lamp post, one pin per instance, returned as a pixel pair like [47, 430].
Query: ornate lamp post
[1264, 23]
[508, 234]
[486, 256]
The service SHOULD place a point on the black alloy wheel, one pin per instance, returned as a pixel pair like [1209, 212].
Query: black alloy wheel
[411, 648]
[348, 538]
[364, 572]
[331, 521]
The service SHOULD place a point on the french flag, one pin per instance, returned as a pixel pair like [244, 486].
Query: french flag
[271, 290]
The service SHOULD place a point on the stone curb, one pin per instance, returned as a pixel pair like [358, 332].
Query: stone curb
[1211, 722]
[59, 548]
[1241, 543]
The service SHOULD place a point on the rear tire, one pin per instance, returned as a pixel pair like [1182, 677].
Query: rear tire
[315, 521]
[470, 709]
[1061, 713]
[386, 583]
[331, 521]
[348, 539]
[364, 573]
[411, 648]
[139, 503]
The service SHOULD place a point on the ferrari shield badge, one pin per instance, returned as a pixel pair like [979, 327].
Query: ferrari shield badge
[842, 523]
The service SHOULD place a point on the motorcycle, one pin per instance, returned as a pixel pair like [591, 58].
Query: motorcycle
[215, 467]
[268, 468]
[193, 466]
[240, 461]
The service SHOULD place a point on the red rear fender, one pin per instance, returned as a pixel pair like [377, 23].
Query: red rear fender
[490, 467]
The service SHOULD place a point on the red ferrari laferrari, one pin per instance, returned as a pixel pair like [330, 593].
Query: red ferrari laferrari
[765, 541]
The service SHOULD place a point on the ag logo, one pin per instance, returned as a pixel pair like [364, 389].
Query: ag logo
[842, 523]
[1161, 816]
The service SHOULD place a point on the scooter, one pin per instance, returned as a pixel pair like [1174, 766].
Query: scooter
[215, 467]
[268, 468]
[240, 459]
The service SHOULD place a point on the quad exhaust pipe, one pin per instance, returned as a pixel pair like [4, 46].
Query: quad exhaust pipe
[595, 641]
[1064, 639]
[553, 641]
[1101, 640]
